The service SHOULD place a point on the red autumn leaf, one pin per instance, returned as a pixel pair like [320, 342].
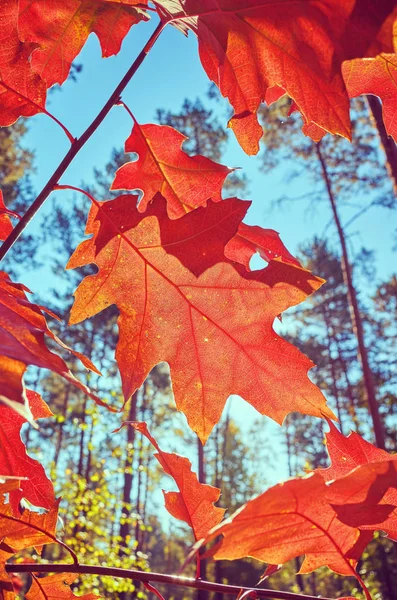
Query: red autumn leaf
[61, 27]
[248, 47]
[369, 28]
[289, 520]
[5, 222]
[162, 166]
[367, 497]
[215, 330]
[250, 239]
[349, 453]
[29, 530]
[22, 333]
[194, 502]
[14, 461]
[22, 92]
[376, 76]
[55, 587]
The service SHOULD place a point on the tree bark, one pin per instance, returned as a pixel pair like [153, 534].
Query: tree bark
[354, 311]
[127, 487]
[201, 594]
[386, 141]
[61, 426]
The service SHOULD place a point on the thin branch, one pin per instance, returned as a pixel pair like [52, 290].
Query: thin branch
[78, 144]
[147, 577]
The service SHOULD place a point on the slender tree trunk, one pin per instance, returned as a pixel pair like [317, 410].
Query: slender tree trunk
[128, 475]
[88, 461]
[355, 311]
[139, 467]
[220, 468]
[299, 578]
[386, 141]
[81, 442]
[201, 594]
[349, 388]
[334, 385]
[124, 530]
[61, 425]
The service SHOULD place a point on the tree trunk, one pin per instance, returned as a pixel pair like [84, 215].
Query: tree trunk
[124, 530]
[202, 564]
[349, 388]
[88, 461]
[82, 436]
[387, 142]
[218, 484]
[335, 389]
[354, 311]
[139, 468]
[61, 425]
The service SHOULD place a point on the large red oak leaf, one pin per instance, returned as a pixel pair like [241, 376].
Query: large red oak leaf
[23, 329]
[250, 239]
[250, 47]
[162, 166]
[55, 587]
[14, 461]
[61, 27]
[289, 520]
[247, 47]
[194, 502]
[22, 92]
[214, 330]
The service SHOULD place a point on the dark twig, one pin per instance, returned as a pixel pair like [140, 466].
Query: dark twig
[145, 577]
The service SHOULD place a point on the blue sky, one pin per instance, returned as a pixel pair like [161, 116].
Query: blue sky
[172, 72]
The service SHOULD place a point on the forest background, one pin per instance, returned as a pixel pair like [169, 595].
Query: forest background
[119, 504]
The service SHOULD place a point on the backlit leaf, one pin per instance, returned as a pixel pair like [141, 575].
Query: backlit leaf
[215, 330]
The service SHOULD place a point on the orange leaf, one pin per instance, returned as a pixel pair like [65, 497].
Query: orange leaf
[194, 503]
[55, 587]
[248, 47]
[289, 520]
[214, 330]
[22, 92]
[348, 452]
[61, 28]
[29, 530]
[22, 332]
[14, 461]
[186, 182]
[363, 498]
[367, 466]
[377, 76]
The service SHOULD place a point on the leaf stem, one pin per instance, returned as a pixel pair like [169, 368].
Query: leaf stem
[54, 539]
[78, 144]
[154, 590]
[147, 577]
[42, 109]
